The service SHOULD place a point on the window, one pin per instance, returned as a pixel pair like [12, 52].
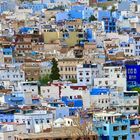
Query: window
[106, 82]
[36, 121]
[104, 127]
[127, 108]
[115, 82]
[124, 127]
[116, 138]
[48, 121]
[133, 136]
[134, 108]
[81, 73]
[115, 128]
[87, 73]
[118, 76]
[41, 121]
[124, 137]
[28, 122]
[9, 137]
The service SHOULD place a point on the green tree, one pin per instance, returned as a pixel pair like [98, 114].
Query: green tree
[44, 80]
[113, 8]
[54, 70]
[104, 7]
[92, 18]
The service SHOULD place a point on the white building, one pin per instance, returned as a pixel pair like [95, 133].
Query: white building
[12, 73]
[137, 45]
[126, 102]
[100, 99]
[108, 116]
[7, 131]
[29, 87]
[86, 73]
[77, 94]
[114, 77]
[128, 48]
[50, 91]
[33, 119]
[65, 122]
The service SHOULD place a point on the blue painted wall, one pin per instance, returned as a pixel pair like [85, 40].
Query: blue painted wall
[133, 76]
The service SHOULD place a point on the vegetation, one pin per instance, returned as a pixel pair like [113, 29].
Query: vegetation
[113, 9]
[44, 80]
[92, 18]
[83, 127]
[73, 80]
[136, 89]
[54, 71]
[104, 7]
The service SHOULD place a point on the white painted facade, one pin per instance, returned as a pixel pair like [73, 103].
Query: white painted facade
[86, 73]
[29, 87]
[74, 94]
[114, 77]
[125, 104]
[8, 131]
[50, 91]
[101, 101]
[65, 122]
[32, 119]
[12, 73]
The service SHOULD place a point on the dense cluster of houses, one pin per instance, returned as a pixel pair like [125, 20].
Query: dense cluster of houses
[96, 44]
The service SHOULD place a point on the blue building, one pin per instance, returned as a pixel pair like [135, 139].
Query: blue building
[80, 12]
[6, 117]
[14, 99]
[99, 91]
[103, 14]
[36, 7]
[134, 126]
[3, 6]
[62, 112]
[89, 35]
[73, 104]
[133, 76]
[109, 24]
[61, 16]
[7, 51]
[25, 30]
[118, 129]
